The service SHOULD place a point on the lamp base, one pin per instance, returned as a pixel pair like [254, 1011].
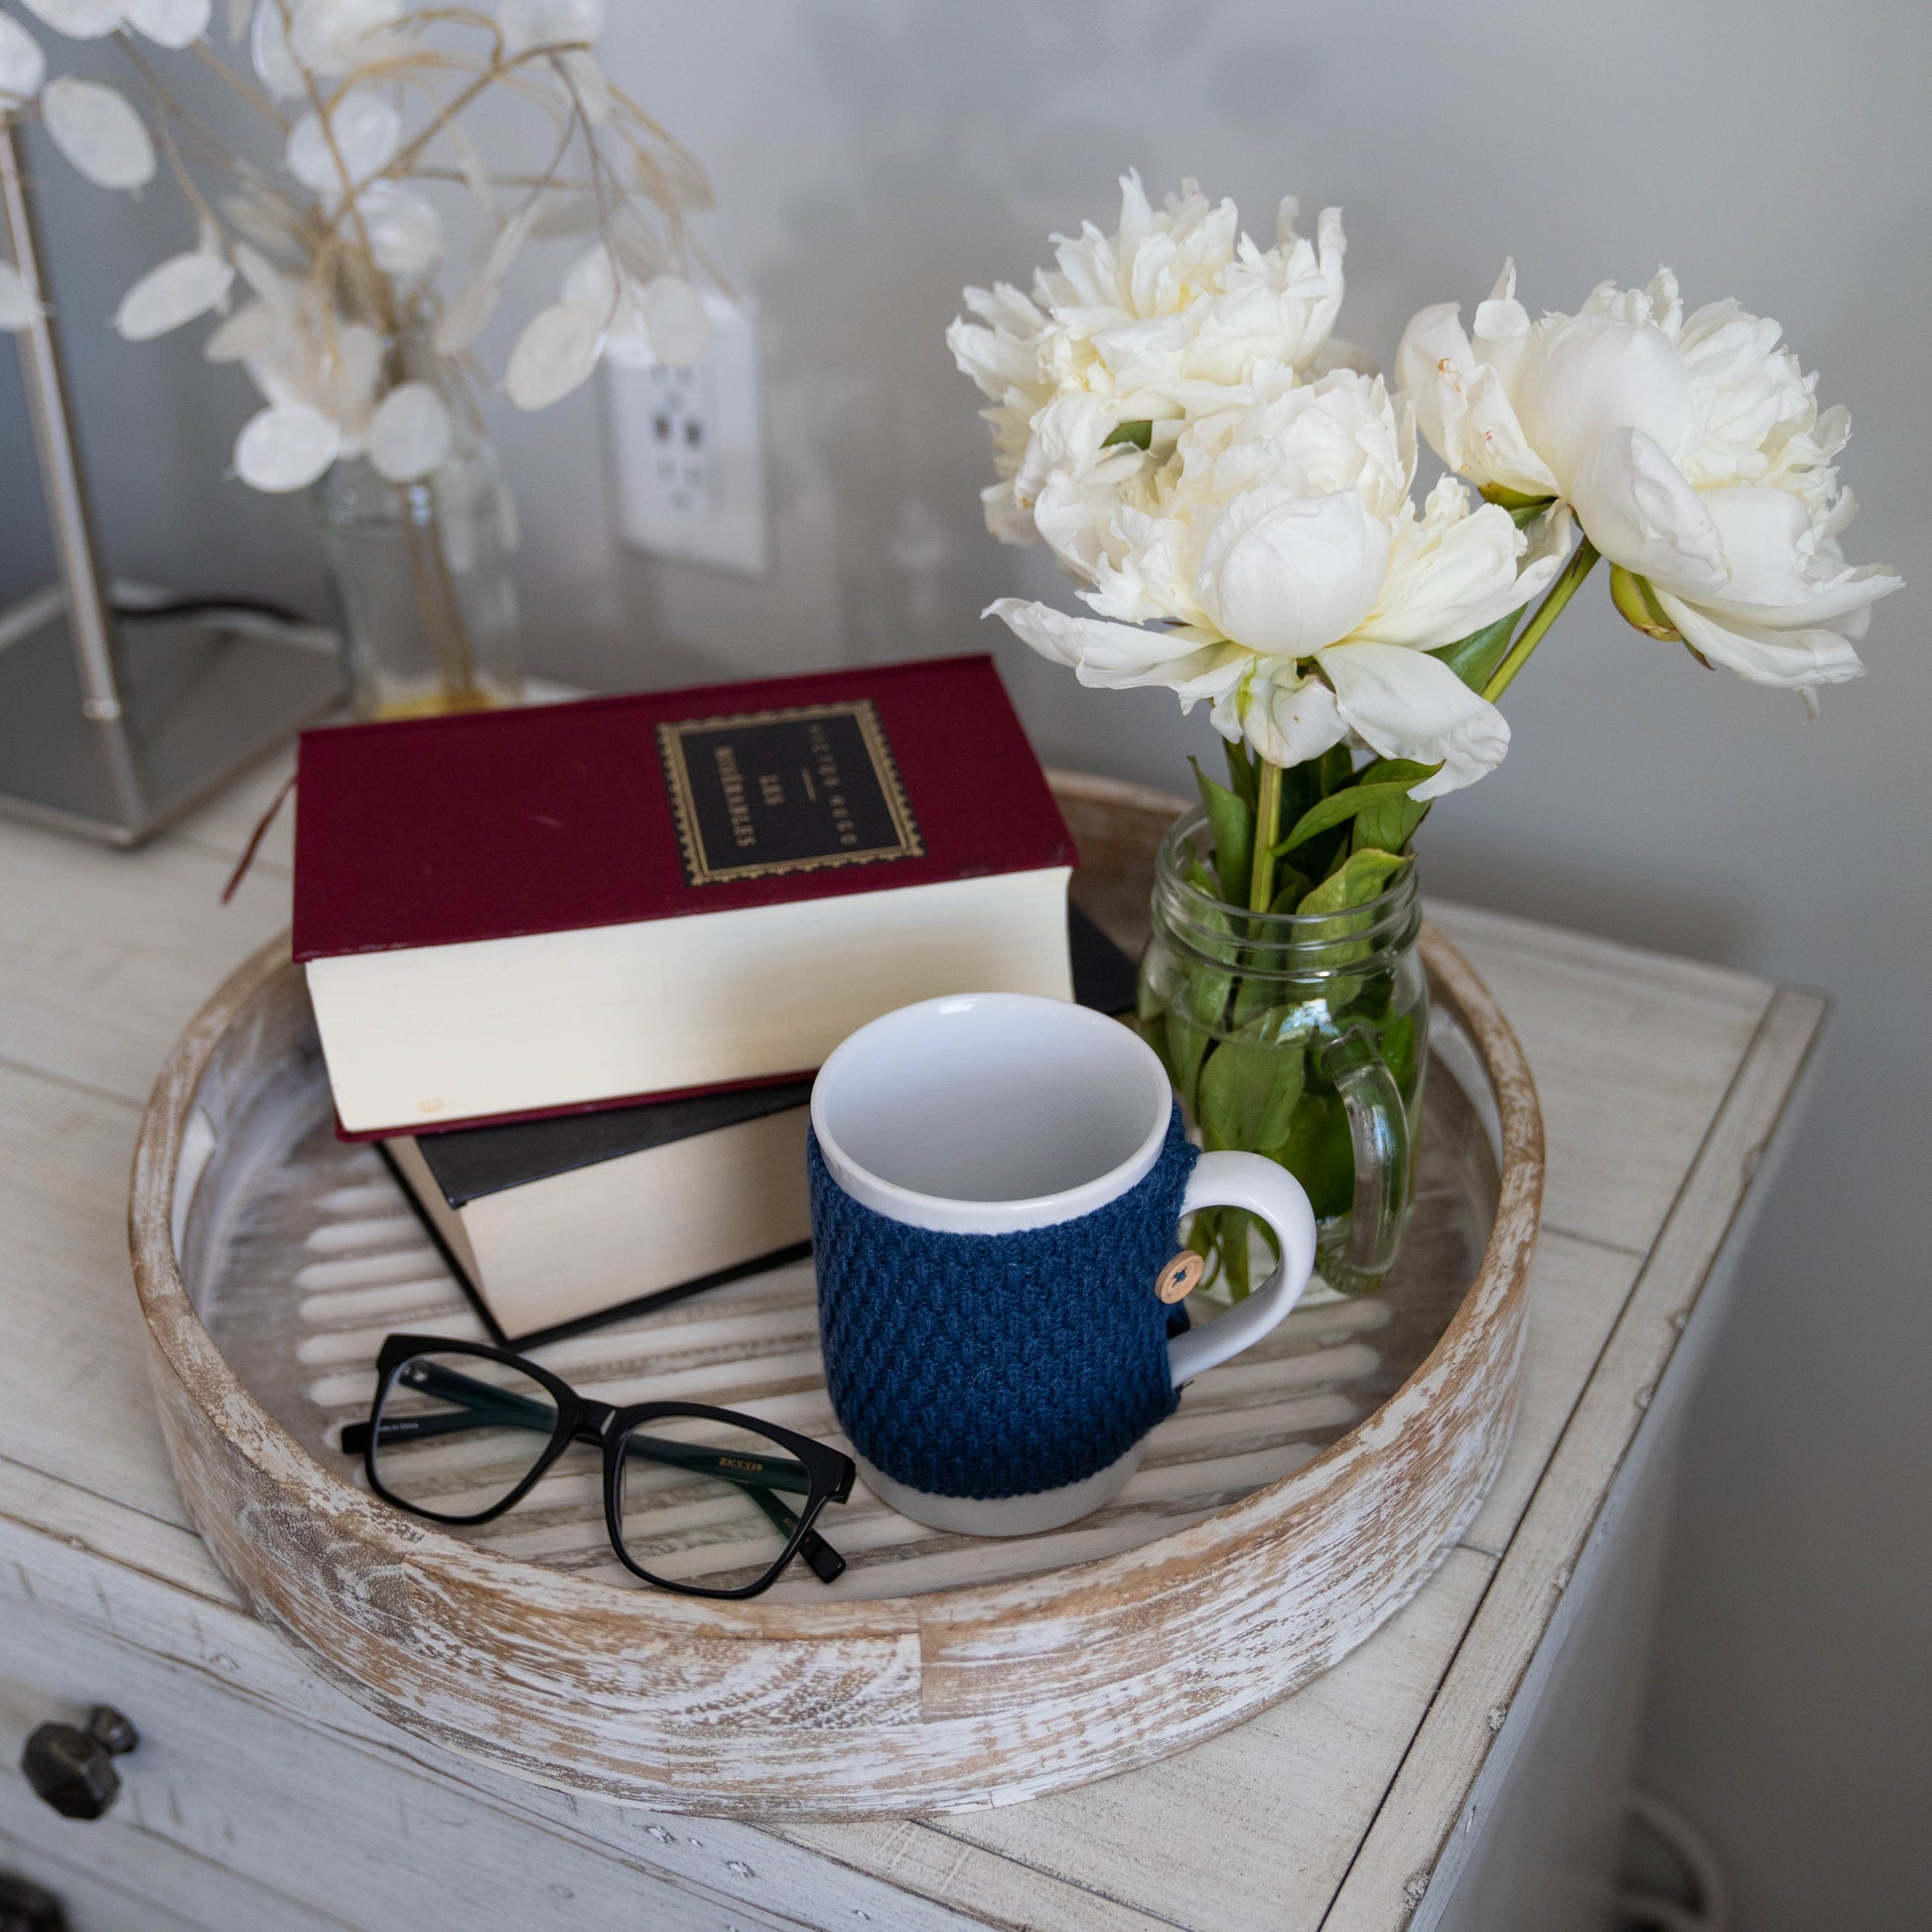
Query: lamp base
[201, 698]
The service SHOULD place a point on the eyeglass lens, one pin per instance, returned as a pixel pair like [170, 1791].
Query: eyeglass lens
[708, 1503]
[459, 1433]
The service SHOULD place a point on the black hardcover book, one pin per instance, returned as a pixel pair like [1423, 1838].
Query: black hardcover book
[1104, 977]
[468, 1162]
[556, 1225]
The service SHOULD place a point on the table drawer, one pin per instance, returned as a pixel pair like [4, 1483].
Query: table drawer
[133, 1881]
[230, 1815]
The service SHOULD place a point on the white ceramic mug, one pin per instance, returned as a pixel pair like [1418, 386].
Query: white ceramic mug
[999, 1114]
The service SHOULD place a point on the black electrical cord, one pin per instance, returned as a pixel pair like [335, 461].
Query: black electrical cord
[207, 607]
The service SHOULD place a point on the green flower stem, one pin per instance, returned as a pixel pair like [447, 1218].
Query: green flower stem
[1561, 592]
[1268, 832]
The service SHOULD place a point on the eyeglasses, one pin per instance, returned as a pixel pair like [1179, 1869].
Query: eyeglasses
[706, 1501]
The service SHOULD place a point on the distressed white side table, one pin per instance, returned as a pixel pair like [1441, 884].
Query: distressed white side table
[1462, 1769]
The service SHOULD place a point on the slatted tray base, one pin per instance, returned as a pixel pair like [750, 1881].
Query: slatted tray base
[321, 1258]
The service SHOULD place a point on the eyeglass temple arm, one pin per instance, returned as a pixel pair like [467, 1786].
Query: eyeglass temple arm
[489, 1407]
[824, 1561]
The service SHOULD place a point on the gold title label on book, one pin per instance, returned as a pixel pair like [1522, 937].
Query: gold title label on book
[769, 792]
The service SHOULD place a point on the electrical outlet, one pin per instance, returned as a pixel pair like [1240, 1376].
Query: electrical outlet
[689, 448]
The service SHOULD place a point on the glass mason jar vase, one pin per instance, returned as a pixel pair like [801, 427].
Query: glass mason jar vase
[423, 571]
[1301, 1037]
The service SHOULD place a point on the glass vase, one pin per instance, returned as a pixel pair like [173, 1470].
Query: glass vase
[422, 573]
[1301, 1037]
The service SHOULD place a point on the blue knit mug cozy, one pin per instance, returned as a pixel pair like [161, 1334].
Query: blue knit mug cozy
[996, 1187]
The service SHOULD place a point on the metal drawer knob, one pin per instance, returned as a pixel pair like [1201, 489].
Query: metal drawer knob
[74, 1770]
[27, 1907]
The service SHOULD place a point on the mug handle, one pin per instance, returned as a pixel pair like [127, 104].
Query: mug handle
[1257, 1183]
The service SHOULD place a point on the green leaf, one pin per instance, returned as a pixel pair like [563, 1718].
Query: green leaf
[1152, 1027]
[1475, 658]
[1390, 824]
[1338, 855]
[1185, 1044]
[1395, 1042]
[1192, 999]
[1363, 876]
[1243, 779]
[1293, 888]
[1340, 806]
[1395, 771]
[1221, 1235]
[1337, 769]
[1232, 821]
[1319, 1151]
[1214, 1104]
[1248, 1092]
[1301, 788]
[1234, 1240]
[1139, 434]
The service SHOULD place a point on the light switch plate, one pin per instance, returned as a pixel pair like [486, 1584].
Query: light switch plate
[688, 446]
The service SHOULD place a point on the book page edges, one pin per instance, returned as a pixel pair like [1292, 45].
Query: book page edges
[503, 1026]
[641, 1223]
[431, 1200]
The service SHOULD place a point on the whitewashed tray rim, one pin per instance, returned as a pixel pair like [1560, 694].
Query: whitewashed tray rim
[204, 1372]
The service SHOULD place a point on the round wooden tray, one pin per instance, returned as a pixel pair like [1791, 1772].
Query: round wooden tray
[1300, 1496]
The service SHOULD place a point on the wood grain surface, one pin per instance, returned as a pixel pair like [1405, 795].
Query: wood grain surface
[1193, 1608]
[1641, 1061]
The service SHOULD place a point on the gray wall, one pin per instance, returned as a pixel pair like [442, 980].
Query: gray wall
[869, 156]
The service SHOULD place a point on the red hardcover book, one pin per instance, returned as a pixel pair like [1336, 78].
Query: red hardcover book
[513, 912]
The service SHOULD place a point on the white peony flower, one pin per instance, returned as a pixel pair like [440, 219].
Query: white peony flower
[1276, 566]
[1691, 449]
[1146, 324]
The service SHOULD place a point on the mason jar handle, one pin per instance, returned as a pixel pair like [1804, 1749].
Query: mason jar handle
[1378, 1123]
[1250, 1180]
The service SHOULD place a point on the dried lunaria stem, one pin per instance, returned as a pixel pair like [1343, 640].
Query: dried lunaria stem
[333, 245]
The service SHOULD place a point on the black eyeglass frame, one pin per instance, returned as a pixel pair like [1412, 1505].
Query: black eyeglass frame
[582, 1419]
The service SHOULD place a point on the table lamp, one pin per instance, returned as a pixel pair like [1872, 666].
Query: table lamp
[111, 734]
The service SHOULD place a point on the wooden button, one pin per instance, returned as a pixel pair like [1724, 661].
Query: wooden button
[1180, 1276]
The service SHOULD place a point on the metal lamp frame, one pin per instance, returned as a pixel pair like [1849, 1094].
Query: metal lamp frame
[97, 737]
